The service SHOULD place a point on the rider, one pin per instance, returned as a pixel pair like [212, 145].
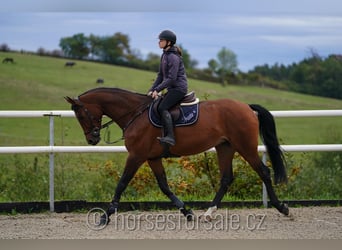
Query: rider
[172, 77]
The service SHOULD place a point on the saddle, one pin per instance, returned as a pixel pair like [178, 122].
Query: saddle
[183, 114]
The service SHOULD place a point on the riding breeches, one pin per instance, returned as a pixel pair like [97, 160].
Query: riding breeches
[171, 98]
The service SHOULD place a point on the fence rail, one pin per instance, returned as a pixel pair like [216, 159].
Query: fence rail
[69, 113]
[51, 149]
[122, 149]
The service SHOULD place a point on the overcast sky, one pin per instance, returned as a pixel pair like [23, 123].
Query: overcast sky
[257, 31]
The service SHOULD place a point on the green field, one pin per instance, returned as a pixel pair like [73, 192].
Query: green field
[40, 83]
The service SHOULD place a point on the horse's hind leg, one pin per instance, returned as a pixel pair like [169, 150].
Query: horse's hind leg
[225, 155]
[263, 171]
[159, 172]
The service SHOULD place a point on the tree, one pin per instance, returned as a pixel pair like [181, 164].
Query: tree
[314, 75]
[76, 46]
[213, 66]
[115, 49]
[57, 53]
[41, 51]
[188, 62]
[225, 65]
[4, 47]
[95, 46]
[152, 61]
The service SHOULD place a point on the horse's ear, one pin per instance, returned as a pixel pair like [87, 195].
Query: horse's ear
[70, 100]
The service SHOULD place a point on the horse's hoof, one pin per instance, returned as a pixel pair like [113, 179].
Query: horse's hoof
[189, 215]
[208, 215]
[104, 220]
[285, 209]
[205, 218]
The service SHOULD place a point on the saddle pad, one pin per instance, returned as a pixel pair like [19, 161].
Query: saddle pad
[188, 116]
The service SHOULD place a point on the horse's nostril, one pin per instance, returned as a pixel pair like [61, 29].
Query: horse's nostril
[93, 141]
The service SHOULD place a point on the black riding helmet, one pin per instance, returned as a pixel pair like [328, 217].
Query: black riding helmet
[168, 35]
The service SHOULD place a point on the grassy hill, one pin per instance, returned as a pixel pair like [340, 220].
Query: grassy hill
[40, 83]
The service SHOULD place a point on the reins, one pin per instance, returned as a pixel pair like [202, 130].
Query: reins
[107, 135]
[106, 125]
[145, 106]
[141, 109]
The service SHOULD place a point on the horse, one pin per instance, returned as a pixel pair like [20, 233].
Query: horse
[100, 81]
[69, 64]
[227, 125]
[7, 60]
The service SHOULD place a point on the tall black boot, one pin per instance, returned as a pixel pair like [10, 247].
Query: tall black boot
[169, 137]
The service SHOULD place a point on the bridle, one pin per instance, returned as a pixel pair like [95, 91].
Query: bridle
[95, 130]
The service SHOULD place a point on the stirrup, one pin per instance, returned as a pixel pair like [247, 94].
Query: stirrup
[167, 140]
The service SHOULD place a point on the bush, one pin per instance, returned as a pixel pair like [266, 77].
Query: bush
[24, 179]
[88, 177]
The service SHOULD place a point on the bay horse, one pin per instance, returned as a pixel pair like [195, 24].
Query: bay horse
[228, 125]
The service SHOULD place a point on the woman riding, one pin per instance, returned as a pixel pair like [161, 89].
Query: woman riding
[172, 77]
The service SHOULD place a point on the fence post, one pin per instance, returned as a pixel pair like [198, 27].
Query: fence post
[264, 191]
[51, 162]
[52, 165]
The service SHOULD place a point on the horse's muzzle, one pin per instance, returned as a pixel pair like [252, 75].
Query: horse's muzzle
[93, 140]
[94, 136]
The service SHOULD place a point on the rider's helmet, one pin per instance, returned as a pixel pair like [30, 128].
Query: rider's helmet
[168, 35]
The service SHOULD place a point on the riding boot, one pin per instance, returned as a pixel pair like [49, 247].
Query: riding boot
[169, 137]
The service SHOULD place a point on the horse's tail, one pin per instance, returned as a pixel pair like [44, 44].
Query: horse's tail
[268, 134]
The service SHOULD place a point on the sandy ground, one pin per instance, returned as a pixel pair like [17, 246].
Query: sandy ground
[303, 223]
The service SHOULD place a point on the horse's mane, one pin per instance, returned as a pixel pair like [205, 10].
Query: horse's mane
[110, 90]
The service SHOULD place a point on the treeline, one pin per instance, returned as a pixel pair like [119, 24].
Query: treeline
[113, 49]
[314, 75]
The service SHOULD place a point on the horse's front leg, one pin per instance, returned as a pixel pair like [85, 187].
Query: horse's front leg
[225, 182]
[159, 172]
[132, 165]
[225, 155]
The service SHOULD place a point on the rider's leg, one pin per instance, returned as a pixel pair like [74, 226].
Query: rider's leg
[169, 137]
[171, 99]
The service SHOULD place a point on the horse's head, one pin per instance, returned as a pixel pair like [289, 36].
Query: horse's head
[89, 116]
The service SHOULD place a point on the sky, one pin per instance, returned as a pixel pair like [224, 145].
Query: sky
[258, 31]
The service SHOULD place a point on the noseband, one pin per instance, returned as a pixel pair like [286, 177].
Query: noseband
[95, 130]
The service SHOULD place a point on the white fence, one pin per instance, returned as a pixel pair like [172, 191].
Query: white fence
[51, 149]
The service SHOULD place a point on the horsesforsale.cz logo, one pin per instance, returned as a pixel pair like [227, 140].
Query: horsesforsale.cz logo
[94, 217]
[97, 219]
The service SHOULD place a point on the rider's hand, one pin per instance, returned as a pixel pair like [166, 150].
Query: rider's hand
[155, 95]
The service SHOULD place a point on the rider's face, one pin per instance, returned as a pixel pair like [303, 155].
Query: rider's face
[162, 43]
